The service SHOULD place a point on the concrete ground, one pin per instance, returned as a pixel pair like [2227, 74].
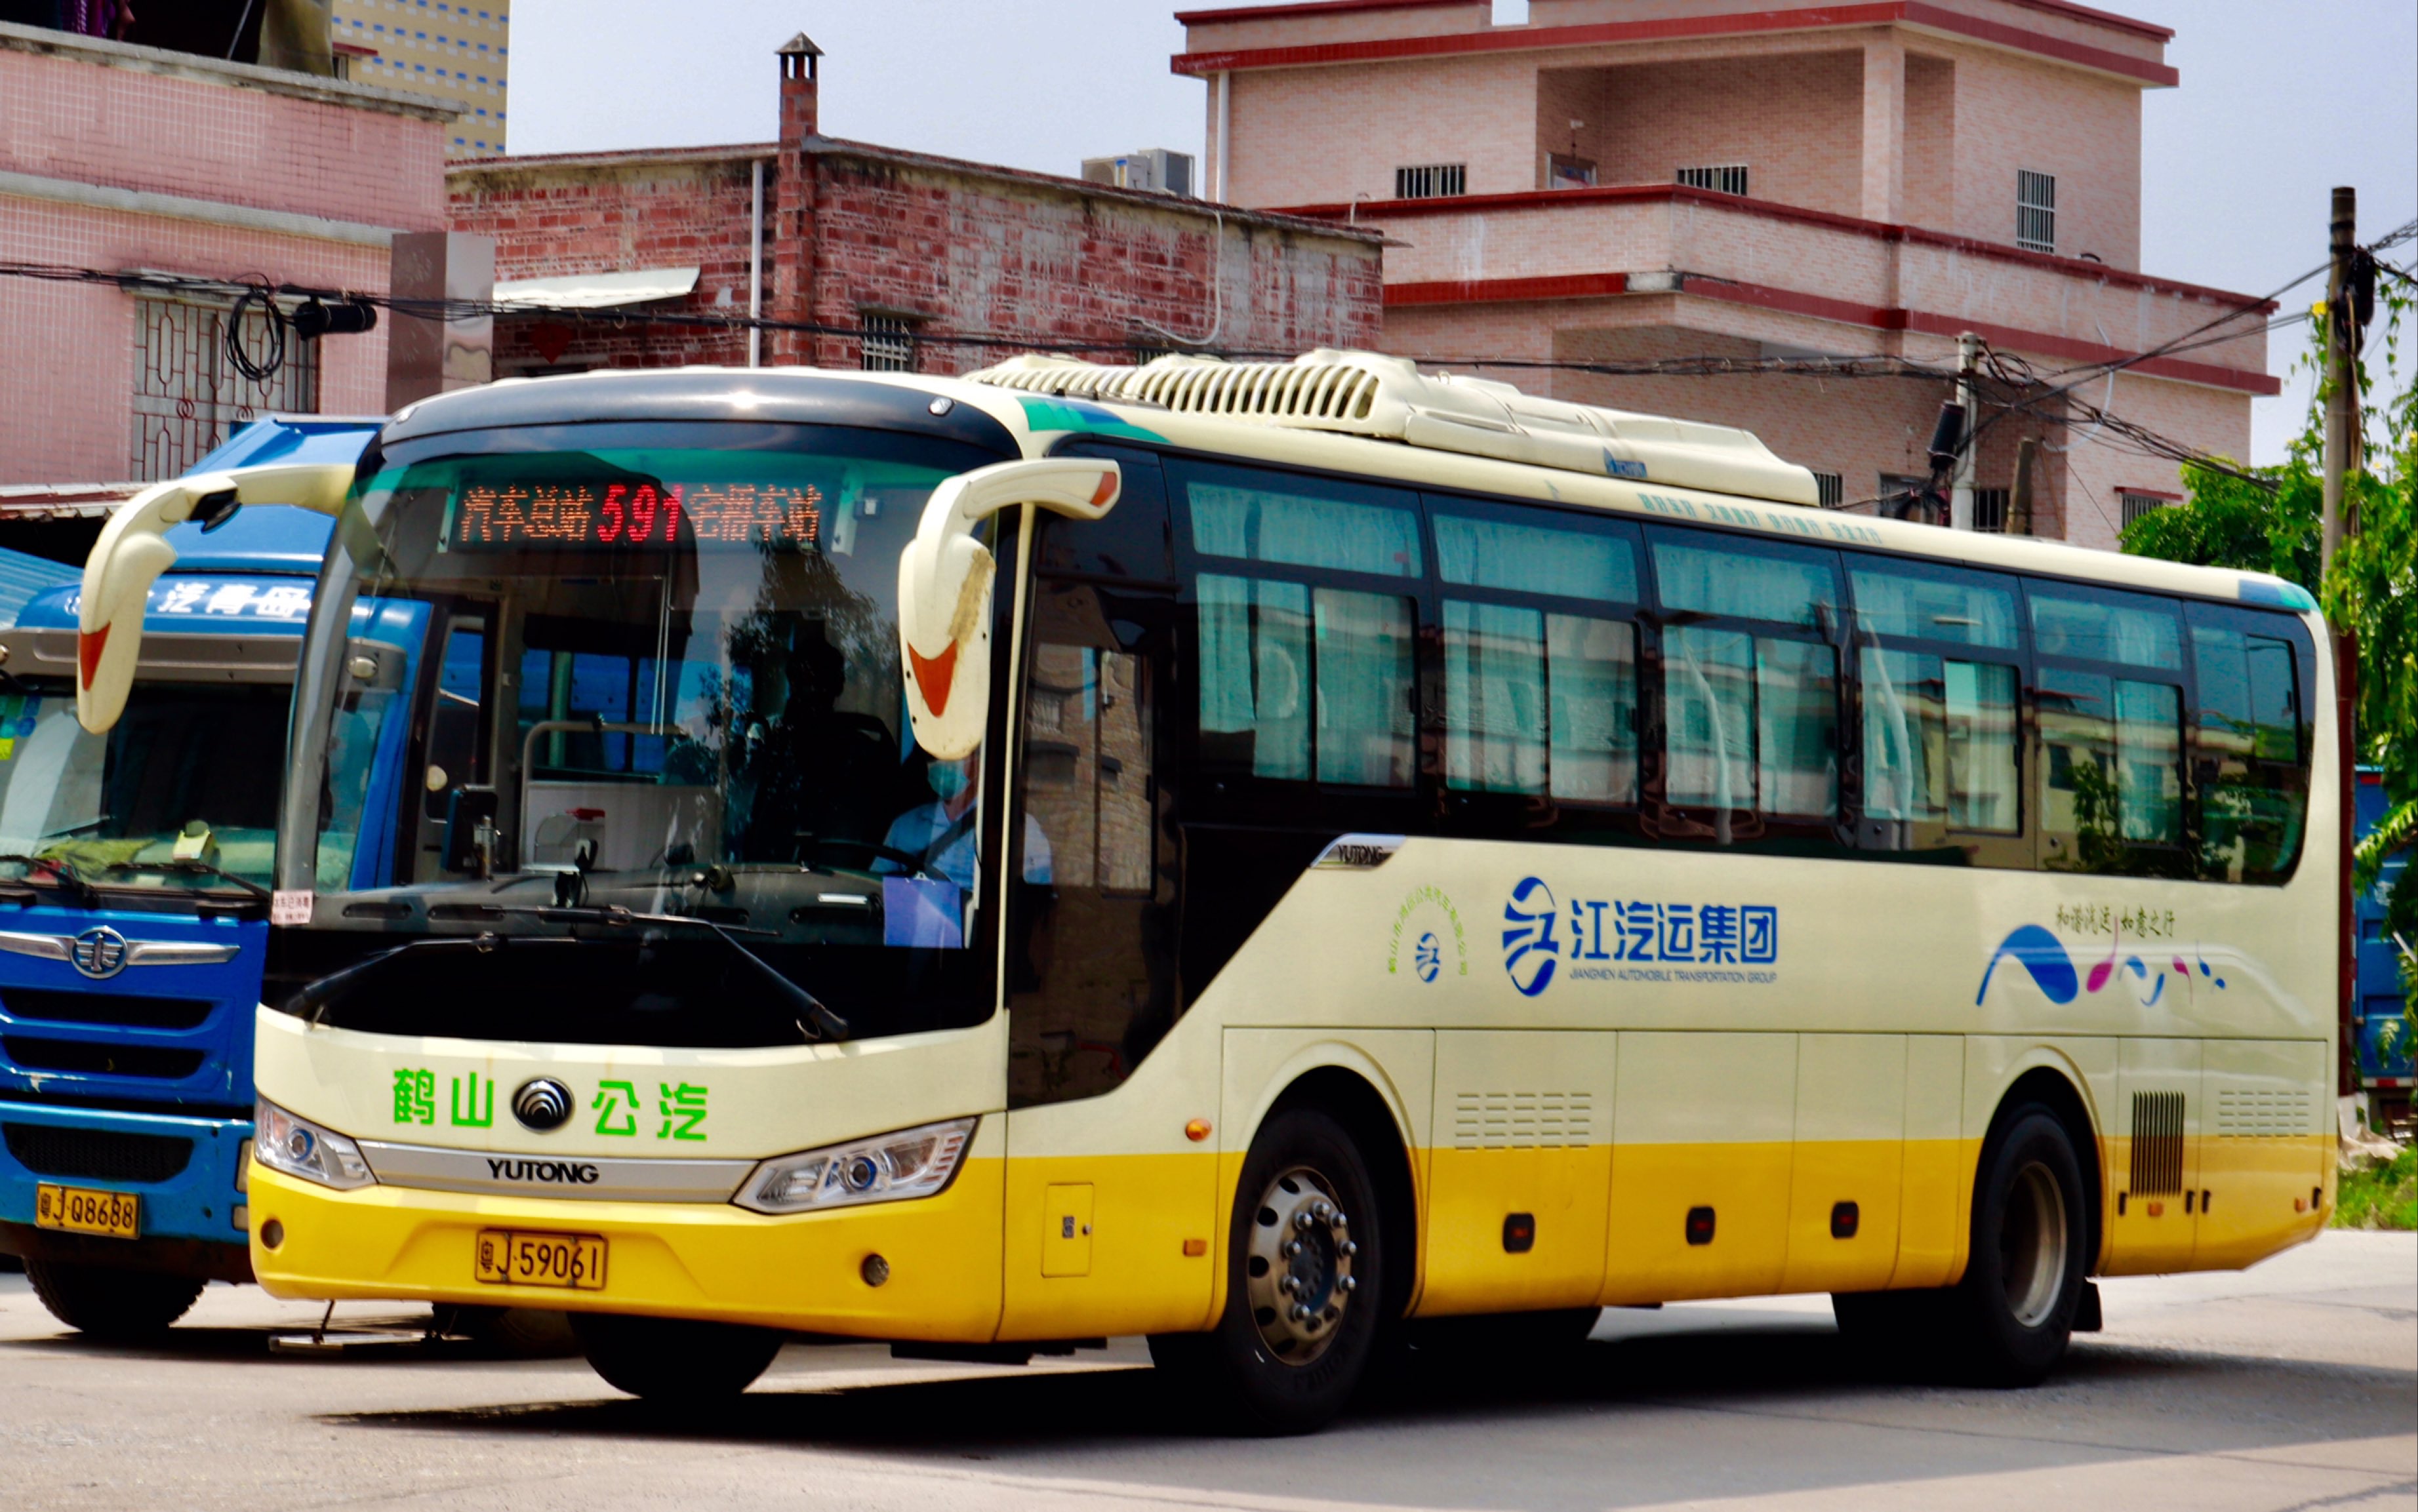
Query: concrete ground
[2291, 1385]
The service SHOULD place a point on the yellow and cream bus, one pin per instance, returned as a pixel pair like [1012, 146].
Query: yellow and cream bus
[1257, 855]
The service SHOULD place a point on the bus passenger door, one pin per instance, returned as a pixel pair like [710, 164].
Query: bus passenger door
[1110, 1198]
[1521, 1171]
[2154, 1163]
[2262, 1160]
[1845, 1185]
[1704, 1126]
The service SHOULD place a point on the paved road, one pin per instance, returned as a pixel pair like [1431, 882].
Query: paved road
[2293, 1385]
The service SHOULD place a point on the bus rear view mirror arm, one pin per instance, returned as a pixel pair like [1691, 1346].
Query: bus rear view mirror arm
[944, 586]
[132, 554]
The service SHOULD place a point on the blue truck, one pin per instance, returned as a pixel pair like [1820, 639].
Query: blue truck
[135, 904]
[2385, 1066]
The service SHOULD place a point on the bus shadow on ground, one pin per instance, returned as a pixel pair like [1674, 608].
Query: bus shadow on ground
[1797, 1372]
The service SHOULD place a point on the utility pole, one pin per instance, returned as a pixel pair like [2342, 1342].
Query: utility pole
[2342, 399]
[2019, 500]
[1960, 497]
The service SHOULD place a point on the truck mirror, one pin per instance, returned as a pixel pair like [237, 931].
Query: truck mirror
[132, 554]
[945, 587]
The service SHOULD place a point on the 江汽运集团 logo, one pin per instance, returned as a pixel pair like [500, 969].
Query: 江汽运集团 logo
[1530, 948]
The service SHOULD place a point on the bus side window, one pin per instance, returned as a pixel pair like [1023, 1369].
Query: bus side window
[2111, 729]
[1749, 710]
[2249, 772]
[1539, 699]
[1305, 651]
[1937, 671]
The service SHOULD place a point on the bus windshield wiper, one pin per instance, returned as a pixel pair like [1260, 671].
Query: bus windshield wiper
[69, 880]
[818, 1021]
[187, 867]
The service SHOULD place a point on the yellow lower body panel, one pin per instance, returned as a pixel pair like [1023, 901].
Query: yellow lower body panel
[704, 1260]
[1100, 1245]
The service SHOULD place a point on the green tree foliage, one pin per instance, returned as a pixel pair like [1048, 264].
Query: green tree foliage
[2269, 522]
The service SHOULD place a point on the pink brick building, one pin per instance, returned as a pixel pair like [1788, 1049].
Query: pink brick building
[1615, 181]
[896, 255]
[132, 159]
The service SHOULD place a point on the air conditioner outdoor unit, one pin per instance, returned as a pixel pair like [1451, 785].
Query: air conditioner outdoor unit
[1152, 168]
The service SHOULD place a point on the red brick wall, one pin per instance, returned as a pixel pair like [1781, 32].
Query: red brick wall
[965, 251]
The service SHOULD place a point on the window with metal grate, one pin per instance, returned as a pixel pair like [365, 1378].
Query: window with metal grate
[98, 1154]
[889, 343]
[1722, 178]
[1431, 181]
[1830, 489]
[1990, 509]
[2035, 211]
[2138, 505]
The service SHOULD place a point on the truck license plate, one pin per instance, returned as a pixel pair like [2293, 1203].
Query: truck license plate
[84, 1209]
[509, 1256]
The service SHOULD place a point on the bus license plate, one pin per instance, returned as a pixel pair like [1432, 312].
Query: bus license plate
[84, 1209]
[507, 1257]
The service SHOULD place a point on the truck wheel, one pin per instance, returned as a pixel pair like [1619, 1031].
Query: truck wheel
[116, 1306]
[663, 1359]
[2014, 1312]
[1304, 1289]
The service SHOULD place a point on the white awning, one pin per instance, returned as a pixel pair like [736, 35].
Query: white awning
[598, 291]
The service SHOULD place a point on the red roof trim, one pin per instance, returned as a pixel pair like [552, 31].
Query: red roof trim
[1826, 17]
[1498, 290]
[1312, 8]
[1544, 199]
[1845, 311]
[2150, 493]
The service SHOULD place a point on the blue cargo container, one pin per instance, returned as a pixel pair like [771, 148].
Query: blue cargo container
[134, 905]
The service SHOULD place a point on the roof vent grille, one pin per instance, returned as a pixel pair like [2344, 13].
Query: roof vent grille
[1387, 398]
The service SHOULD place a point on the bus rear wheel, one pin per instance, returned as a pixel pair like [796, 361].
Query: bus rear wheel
[116, 1306]
[2015, 1307]
[1305, 1294]
[660, 1359]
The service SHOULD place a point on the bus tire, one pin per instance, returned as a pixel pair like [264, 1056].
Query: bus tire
[662, 1359]
[1306, 1291]
[2012, 1314]
[114, 1306]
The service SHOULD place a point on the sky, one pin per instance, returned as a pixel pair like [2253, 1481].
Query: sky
[2280, 101]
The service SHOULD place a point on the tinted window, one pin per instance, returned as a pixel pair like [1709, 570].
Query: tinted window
[2095, 625]
[1705, 574]
[2250, 772]
[1266, 517]
[2111, 782]
[1750, 722]
[1933, 604]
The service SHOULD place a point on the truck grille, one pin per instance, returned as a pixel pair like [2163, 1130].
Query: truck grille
[31, 1054]
[117, 1008]
[98, 1154]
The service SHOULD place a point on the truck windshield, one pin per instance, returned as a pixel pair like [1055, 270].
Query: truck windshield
[182, 789]
[663, 675]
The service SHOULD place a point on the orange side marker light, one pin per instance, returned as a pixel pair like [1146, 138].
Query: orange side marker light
[1197, 1130]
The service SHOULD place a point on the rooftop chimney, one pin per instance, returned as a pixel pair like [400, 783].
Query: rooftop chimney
[800, 111]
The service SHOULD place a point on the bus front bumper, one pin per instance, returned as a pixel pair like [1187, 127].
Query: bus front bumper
[191, 1222]
[711, 1261]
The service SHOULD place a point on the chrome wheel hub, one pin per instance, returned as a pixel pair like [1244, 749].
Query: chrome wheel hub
[2031, 1245]
[1298, 1268]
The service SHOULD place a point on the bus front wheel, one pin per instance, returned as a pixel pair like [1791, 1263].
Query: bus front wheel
[661, 1359]
[112, 1304]
[2025, 1279]
[1305, 1289]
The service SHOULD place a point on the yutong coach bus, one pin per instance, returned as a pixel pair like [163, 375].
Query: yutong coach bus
[1248, 854]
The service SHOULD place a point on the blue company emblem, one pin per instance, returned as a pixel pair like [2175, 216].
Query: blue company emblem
[1530, 949]
[1427, 956]
[98, 954]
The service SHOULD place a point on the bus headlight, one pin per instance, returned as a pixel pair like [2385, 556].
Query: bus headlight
[300, 1147]
[888, 1167]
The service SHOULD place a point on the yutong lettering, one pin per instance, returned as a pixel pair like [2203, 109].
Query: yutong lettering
[560, 1172]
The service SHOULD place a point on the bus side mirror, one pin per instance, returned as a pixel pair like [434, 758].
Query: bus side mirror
[945, 587]
[132, 554]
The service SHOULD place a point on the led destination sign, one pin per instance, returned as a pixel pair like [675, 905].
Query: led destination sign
[626, 516]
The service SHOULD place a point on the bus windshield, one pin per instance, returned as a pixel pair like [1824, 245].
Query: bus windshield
[663, 676]
[181, 795]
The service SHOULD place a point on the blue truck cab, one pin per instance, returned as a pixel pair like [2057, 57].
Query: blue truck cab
[134, 903]
[2385, 1065]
